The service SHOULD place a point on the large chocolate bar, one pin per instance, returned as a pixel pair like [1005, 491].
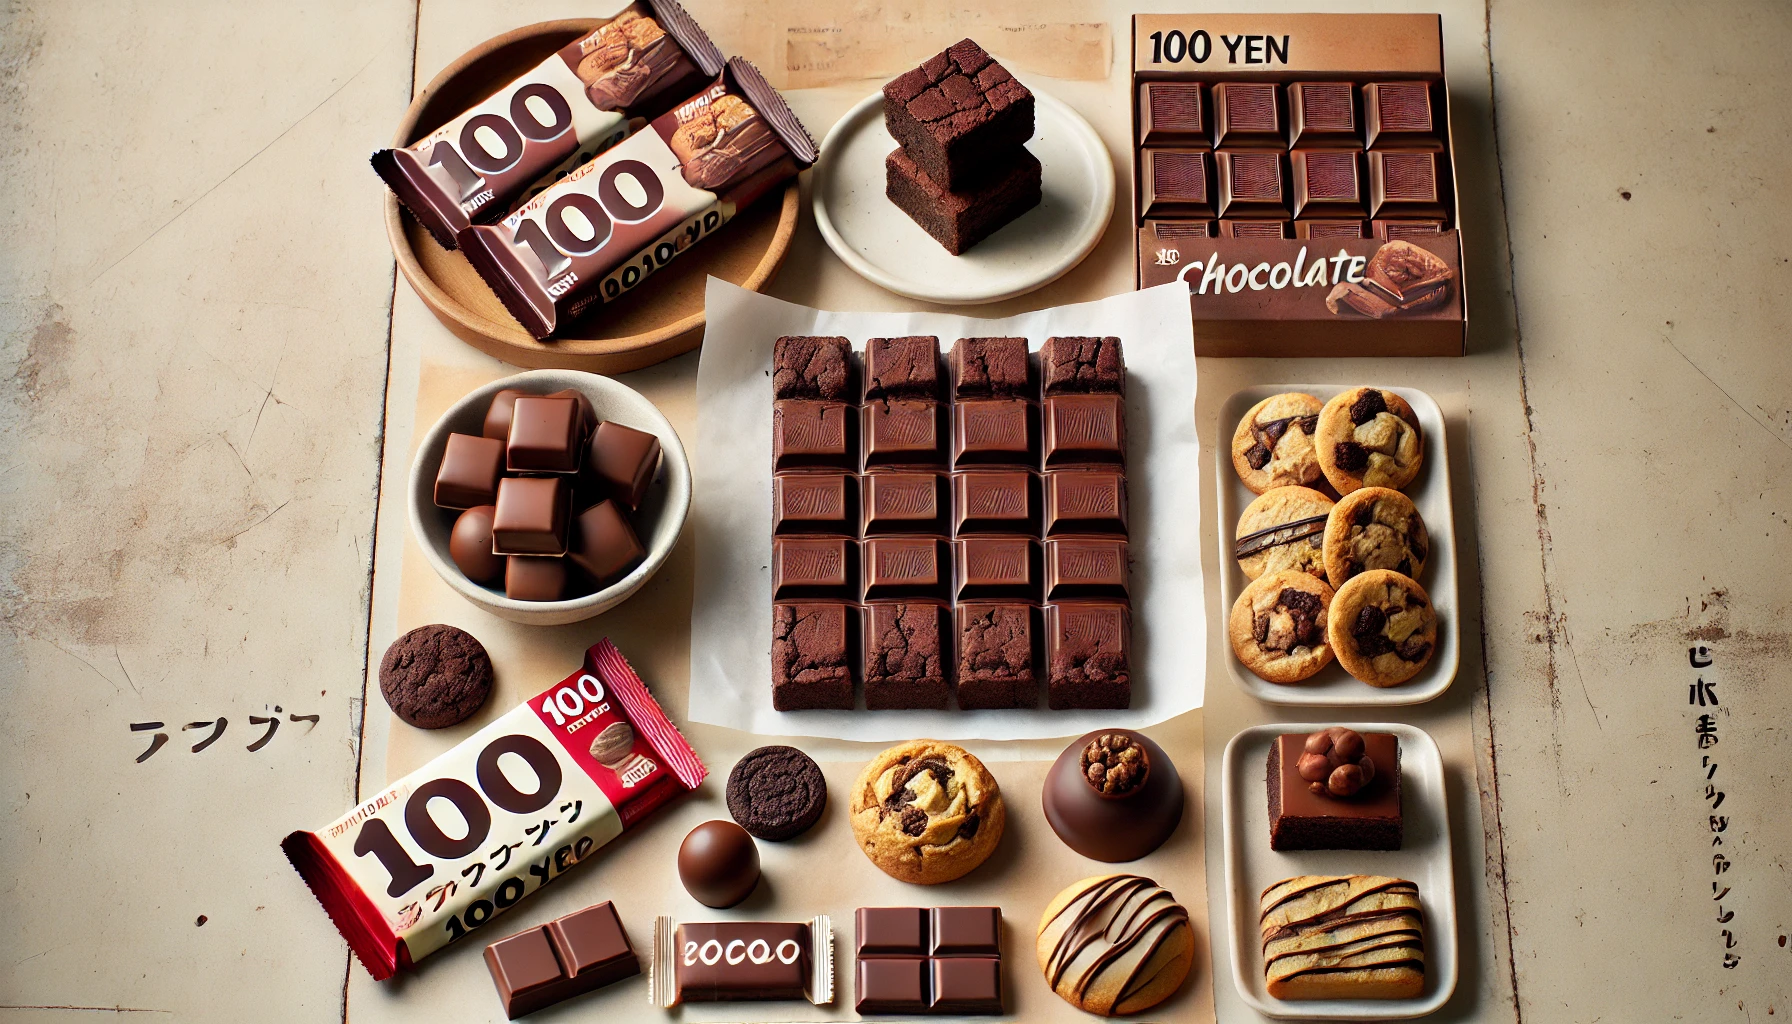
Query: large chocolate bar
[939, 960]
[723, 961]
[557, 115]
[605, 227]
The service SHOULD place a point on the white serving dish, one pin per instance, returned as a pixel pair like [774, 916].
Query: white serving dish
[1430, 494]
[1424, 858]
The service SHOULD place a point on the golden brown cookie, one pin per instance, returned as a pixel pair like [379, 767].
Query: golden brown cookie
[1277, 627]
[1369, 438]
[1382, 627]
[1374, 528]
[1343, 937]
[1115, 944]
[1273, 445]
[1283, 529]
[927, 812]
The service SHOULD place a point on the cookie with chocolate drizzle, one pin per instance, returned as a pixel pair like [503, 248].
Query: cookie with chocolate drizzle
[1115, 944]
[927, 812]
[1273, 445]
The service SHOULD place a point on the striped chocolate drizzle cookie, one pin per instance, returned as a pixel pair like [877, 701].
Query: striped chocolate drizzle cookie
[1343, 937]
[1115, 944]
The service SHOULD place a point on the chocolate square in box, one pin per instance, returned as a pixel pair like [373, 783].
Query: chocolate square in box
[890, 985]
[808, 434]
[1250, 183]
[812, 367]
[1301, 819]
[815, 503]
[958, 114]
[901, 501]
[1400, 115]
[1084, 428]
[1083, 365]
[995, 501]
[546, 435]
[902, 433]
[898, 930]
[993, 566]
[999, 664]
[906, 567]
[814, 567]
[530, 517]
[469, 473]
[1085, 501]
[1322, 115]
[902, 368]
[1173, 114]
[905, 655]
[1085, 567]
[1327, 183]
[1181, 229]
[1406, 183]
[582, 951]
[1247, 114]
[814, 647]
[624, 460]
[993, 431]
[1390, 229]
[1330, 229]
[1088, 653]
[1176, 183]
[991, 368]
[1232, 228]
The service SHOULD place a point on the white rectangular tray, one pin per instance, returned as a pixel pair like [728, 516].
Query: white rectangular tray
[1424, 858]
[1430, 493]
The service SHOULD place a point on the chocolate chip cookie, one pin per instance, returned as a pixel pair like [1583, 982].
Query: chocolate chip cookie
[1273, 445]
[435, 676]
[1382, 627]
[1277, 627]
[776, 793]
[1369, 438]
[1374, 528]
[927, 812]
[1283, 529]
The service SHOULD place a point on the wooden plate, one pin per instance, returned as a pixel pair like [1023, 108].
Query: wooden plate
[661, 319]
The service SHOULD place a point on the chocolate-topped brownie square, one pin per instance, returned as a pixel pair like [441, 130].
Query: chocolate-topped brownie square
[1087, 645]
[905, 663]
[958, 115]
[990, 368]
[1091, 365]
[811, 645]
[812, 367]
[997, 655]
[1335, 789]
[902, 368]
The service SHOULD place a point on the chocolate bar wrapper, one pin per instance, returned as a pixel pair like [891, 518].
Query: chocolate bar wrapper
[561, 113]
[724, 961]
[602, 229]
[530, 795]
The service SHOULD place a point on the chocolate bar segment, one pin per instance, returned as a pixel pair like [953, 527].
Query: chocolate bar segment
[995, 501]
[902, 433]
[1088, 654]
[1085, 501]
[904, 502]
[1389, 229]
[722, 961]
[1230, 228]
[809, 434]
[1247, 114]
[1327, 183]
[566, 957]
[814, 646]
[815, 503]
[1179, 229]
[1176, 183]
[906, 567]
[814, 567]
[994, 431]
[957, 115]
[1173, 114]
[1400, 115]
[1085, 567]
[994, 566]
[901, 972]
[1250, 183]
[1323, 114]
[1406, 183]
[1084, 428]
[1329, 229]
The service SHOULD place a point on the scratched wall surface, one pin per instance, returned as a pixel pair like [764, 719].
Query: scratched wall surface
[194, 295]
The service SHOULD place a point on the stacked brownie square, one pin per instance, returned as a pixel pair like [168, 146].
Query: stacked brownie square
[961, 168]
[956, 536]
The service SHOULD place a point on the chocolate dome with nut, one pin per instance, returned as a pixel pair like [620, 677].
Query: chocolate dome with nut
[1113, 795]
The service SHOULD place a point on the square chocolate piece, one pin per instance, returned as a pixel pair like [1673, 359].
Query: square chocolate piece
[603, 542]
[497, 414]
[959, 220]
[966, 931]
[814, 567]
[890, 985]
[1250, 184]
[468, 476]
[812, 643]
[815, 368]
[1400, 115]
[531, 515]
[902, 368]
[1300, 819]
[902, 433]
[1084, 428]
[551, 963]
[904, 502]
[1176, 183]
[1392, 229]
[993, 431]
[1085, 501]
[1327, 183]
[808, 434]
[1172, 114]
[890, 930]
[1323, 115]
[1330, 229]
[815, 503]
[1407, 184]
[1247, 114]
[995, 566]
[1083, 366]
[1253, 228]
[546, 435]
[1088, 655]
[906, 567]
[1176, 229]
[1085, 567]
[905, 656]
[998, 655]
[991, 368]
[534, 578]
[966, 984]
[995, 501]
[958, 115]
[624, 460]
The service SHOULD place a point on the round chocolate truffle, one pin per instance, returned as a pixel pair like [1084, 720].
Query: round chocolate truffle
[470, 545]
[718, 864]
[1113, 795]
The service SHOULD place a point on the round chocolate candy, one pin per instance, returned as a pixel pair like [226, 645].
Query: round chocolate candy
[470, 545]
[1113, 795]
[718, 864]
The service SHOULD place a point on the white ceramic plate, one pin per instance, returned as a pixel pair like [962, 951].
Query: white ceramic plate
[1430, 493]
[883, 245]
[659, 521]
[1424, 858]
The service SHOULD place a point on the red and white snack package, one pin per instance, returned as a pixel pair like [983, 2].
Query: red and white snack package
[460, 840]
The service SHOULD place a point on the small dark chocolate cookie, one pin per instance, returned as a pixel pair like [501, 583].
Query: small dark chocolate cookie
[776, 793]
[435, 676]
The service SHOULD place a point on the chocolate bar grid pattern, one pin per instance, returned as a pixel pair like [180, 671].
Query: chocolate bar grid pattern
[940, 960]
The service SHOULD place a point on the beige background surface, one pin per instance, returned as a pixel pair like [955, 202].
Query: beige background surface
[198, 325]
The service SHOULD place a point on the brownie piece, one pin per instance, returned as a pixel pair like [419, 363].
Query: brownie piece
[902, 368]
[1090, 365]
[1300, 819]
[1087, 655]
[996, 656]
[959, 220]
[990, 368]
[811, 367]
[957, 114]
[904, 656]
[810, 645]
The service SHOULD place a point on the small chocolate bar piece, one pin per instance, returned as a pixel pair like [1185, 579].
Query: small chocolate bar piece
[898, 566]
[1085, 567]
[1177, 229]
[946, 960]
[815, 503]
[531, 515]
[905, 656]
[817, 368]
[1389, 229]
[1172, 114]
[991, 368]
[1400, 115]
[1246, 114]
[995, 566]
[603, 543]
[814, 567]
[534, 578]
[902, 432]
[1083, 366]
[1323, 114]
[570, 956]
[1084, 428]
[1309, 814]
[1176, 183]
[812, 644]
[624, 460]
[902, 368]
[497, 414]
[723, 961]
[1406, 184]
[1231, 228]
[1327, 183]
[1088, 655]
[959, 115]
[904, 502]
[959, 220]
[468, 476]
[992, 431]
[995, 501]
[1329, 229]
[814, 434]
[1085, 501]
[1250, 183]
[546, 435]
[998, 655]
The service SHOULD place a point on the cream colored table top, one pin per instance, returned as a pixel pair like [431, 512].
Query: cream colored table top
[208, 357]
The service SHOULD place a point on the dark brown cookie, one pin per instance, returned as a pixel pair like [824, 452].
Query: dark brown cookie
[776, 793]
[435, 676]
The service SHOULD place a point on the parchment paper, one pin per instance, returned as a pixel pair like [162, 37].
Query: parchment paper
[731, 512]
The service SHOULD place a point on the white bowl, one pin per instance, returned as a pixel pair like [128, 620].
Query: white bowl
[659, 521]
